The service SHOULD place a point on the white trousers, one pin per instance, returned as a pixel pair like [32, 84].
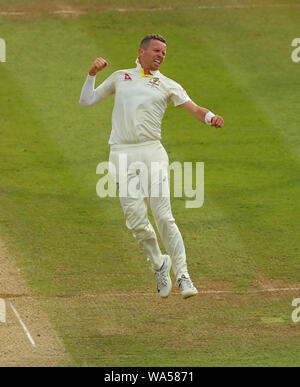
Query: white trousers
[142, 186]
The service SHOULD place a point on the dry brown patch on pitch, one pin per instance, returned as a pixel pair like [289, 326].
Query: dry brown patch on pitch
[31, 10]
[263, 283]
[66, 11]
[213, 285]
[16, 349]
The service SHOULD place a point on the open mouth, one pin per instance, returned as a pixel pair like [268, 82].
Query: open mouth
[157, 61]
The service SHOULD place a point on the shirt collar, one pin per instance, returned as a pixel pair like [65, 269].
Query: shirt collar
[141, 70]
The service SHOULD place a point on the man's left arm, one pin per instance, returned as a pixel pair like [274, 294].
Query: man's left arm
[203, 114]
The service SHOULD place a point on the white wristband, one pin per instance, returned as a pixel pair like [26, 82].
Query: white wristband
[208, 117]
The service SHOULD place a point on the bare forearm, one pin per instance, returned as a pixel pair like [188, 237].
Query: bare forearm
[202, 114]
[196, 110]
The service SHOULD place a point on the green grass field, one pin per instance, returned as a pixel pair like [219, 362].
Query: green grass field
[73, 247]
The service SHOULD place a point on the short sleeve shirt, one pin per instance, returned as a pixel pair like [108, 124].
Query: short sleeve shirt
[140, 103]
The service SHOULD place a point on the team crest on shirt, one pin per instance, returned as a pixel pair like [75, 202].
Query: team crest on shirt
[154, 82]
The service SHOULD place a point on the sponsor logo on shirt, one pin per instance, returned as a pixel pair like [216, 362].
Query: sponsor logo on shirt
[127, 77]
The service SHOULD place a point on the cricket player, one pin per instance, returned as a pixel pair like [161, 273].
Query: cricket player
[141, 98]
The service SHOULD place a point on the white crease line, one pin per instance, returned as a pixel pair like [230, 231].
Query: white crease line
[274, 290]
[208, 292]
[23, 325]
[133, 294]
[216, 292]
[250, 291]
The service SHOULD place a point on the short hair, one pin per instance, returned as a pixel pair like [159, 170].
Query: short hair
[147, 39]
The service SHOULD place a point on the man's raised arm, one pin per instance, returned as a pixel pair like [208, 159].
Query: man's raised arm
[89, 96]
[203, 114]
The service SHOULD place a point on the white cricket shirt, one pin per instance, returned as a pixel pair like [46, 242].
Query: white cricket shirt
[140, 103]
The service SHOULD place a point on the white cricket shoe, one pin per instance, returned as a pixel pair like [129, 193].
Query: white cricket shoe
[163, 279]
[186, 286]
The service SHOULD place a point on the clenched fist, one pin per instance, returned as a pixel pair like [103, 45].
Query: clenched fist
[217, 121]
[98, 65]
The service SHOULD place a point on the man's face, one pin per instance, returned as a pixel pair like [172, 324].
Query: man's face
[153, 56]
